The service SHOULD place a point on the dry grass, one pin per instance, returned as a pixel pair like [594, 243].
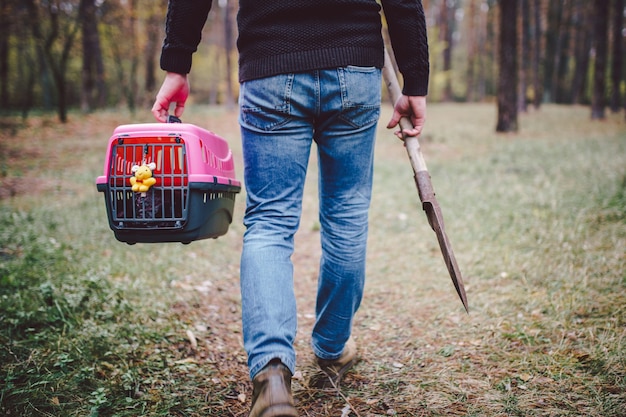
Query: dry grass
[538, 225]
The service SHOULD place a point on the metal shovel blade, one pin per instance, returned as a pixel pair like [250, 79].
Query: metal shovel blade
[435, 219]
[424, 186]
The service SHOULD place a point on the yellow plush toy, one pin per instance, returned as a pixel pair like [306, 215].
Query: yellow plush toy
[142, 179]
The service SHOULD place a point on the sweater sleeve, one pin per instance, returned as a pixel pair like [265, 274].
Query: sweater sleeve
[183, 32]
[407, 30]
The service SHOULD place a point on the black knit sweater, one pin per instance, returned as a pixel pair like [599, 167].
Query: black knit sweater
[280, 36]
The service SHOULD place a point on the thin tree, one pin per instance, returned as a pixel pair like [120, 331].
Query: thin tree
[507, 76]
[581, 21]
[6, 8]
[524, 68]
[470, 73]
[131, 93]
[617, 53]
[552, 56]
[154, 24]
[229, 46]
[55, 43]
[23, 69]
[486, 80]
[601, 36]
[537, 54]
[93, 87]
[445, 35]
[560, 85]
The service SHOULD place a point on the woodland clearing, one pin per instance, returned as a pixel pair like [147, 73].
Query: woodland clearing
[537, 220]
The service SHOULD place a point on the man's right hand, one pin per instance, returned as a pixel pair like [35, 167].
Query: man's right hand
[413, 107]
[175, 89]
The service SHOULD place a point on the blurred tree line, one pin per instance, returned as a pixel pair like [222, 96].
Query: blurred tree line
[57, 55]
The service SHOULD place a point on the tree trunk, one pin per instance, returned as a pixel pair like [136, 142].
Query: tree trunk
[485, 64]
[26, 68]
[471, 53]
[131, 92]
[524, 68]
[537, 56]
[553, 53]
[618, 57]
[507, 77]
[488, 67]
[598, 100]
[582, 35]
[228, 50]
[151, 50]
[445, 35]
[60, 69]
[92, 91]
[5, 24]
[562, 92]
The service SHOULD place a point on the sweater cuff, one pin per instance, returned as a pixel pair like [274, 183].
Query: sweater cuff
[175, 61]
[417, 86]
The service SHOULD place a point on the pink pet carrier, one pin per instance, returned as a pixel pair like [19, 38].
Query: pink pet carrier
[168, 182]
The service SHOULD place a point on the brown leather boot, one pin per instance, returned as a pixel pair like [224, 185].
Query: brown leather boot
[334, 370]
[271, 395]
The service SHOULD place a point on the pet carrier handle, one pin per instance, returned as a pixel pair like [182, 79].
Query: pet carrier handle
[173, 119]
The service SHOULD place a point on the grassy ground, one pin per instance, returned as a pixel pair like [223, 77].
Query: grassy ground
[94, 327]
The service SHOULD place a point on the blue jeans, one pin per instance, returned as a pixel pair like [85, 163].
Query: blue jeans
[280, 117]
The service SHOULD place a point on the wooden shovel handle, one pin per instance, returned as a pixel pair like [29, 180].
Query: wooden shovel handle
[410, 142]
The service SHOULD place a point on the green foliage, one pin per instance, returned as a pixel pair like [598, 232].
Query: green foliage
[47, 297]
[30, 258]
[618, 202]
[74, 341]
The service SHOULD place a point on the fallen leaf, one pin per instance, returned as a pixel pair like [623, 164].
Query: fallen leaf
[543, 380]
[375, 327]
[192, 340]
[186, 361]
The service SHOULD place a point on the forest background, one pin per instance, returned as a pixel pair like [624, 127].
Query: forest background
[91, 54]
